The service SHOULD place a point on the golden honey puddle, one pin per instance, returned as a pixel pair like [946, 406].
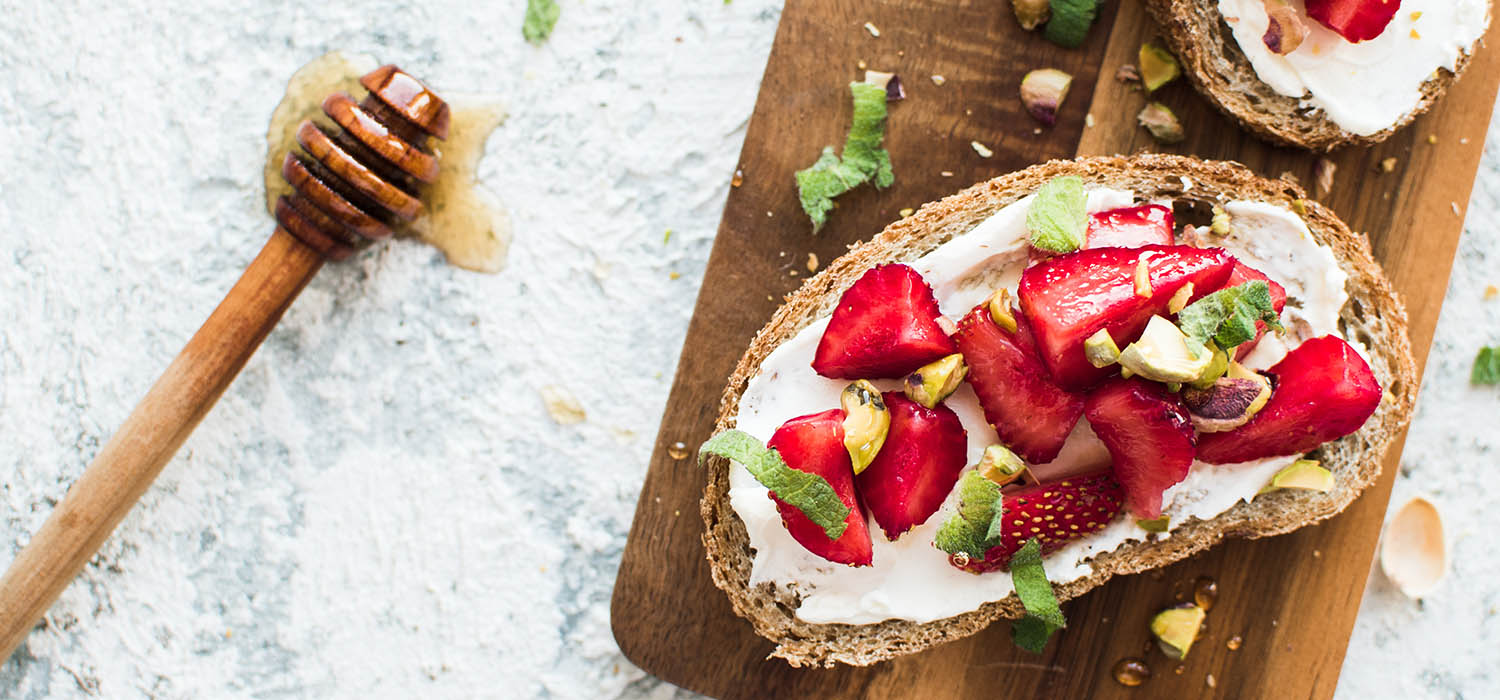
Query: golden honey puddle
[463, 218]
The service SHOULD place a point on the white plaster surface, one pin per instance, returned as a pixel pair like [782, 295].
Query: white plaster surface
[381, 506]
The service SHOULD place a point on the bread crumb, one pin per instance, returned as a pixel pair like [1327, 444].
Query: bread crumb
[872, 29]
[1491, 292]
[907, 212]
[862, 65]
[1088, 120]
[1323, 175]
[674, 275]
[1432, 138]
[938, 80]
[983, 150]
[1388, 165]
[812, 262]
[1210, 681]
[1128, 74]
[1456, 210]
[946, 173]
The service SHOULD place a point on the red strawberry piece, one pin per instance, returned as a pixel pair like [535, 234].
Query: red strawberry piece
[1355, 20]
[1070, 297]
[1030, 412]
[1324, 391]
[885, 326]
[914, 472]
[1055, 514]
[1130, 227]
[815, 444]
[1244, 273]
[1149, 437]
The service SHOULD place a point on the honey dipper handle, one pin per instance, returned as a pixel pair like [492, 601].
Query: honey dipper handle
[160, 423]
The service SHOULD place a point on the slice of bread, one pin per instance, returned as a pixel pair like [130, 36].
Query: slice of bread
[1213, 61]
[1373, 316]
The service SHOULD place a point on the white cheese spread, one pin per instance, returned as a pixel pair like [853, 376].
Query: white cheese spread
[1368, 86]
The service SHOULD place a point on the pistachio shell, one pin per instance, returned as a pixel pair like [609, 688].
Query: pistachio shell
[1413, 553]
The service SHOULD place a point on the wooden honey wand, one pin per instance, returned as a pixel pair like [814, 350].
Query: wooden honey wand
[352, 185]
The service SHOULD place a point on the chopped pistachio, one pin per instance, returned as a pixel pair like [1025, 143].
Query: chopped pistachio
[1043, 91]
[999, 305]
[1142, 279]
[1155, 524]
[1162, 123]
[1179, 301]
[1220, 223]
[1305, 474]
[1158, 66]
[1031, 13]
[867, 421]
[1000, 465]
[1176, 629]
[1100, 349]
[936, 380]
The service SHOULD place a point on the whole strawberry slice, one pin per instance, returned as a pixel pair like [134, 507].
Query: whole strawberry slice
[1031, 413]
[1324, 391]
[1070, 297]
[917, 466]
[1149, 437]
[1244, 273]
[1355, 20]
[1055, 514]
[815, 444]
[1129, 227]
[885, 326]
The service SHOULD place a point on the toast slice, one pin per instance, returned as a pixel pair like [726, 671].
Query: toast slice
[1212, 60]
[1374, 315]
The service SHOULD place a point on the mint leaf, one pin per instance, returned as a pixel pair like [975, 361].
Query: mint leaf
[1058, 217]
[541, 17]
[1486, 366]
[863, 158]
[1043, 616]
[1228, 316]
[809, 493]
[1070, 21]
[968, 531]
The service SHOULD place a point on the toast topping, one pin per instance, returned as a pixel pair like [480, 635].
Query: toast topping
[1148, 446]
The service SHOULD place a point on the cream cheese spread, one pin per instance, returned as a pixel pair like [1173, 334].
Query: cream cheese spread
[1363, 87]
[910, 579]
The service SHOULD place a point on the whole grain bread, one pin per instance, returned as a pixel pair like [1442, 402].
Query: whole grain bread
[1374, 316]
[1213, 61]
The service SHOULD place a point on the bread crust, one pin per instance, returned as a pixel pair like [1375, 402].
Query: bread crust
[1214, 63]
[1374, 315]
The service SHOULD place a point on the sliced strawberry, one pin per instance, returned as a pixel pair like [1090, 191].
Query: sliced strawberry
[924, 453]
[1070, 297]
[885, 326]
[1030, 412]
[1324, 391]
[1355, 20]
[815, 444]
[1130, 227]
[1244, 273]
[1055, 514]
[1149, 437]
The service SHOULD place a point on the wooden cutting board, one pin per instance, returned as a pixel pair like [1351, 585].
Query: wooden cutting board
[1292, 599]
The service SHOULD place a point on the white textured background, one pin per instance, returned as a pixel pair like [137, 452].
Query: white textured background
[380, 506]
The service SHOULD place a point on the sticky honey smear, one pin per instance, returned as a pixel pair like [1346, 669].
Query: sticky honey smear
[463, 219]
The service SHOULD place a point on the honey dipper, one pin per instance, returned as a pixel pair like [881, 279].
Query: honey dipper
[352, 185]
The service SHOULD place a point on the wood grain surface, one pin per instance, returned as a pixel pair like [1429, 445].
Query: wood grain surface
[1292, 599]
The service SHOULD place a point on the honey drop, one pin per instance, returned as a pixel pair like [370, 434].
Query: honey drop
[1205, 592]
[1131, 672]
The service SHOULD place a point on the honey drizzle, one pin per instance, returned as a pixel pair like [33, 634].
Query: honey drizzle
[462, 218]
